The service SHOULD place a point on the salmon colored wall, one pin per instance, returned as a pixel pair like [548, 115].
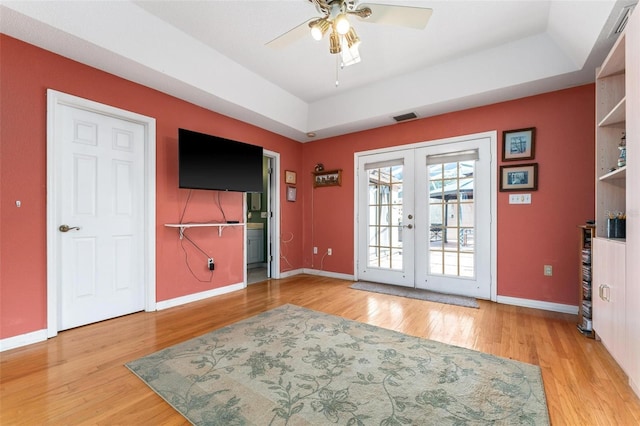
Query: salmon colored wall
[529, 236]
[26, 73]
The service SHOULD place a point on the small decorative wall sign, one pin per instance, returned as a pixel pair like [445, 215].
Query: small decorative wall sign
[518, 144]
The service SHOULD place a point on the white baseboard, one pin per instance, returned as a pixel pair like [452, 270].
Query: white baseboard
[23, 340]
[291, 273]
[166, 304]
[329, 274]
[538, 304]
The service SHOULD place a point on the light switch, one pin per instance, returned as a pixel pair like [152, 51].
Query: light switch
[519, 198]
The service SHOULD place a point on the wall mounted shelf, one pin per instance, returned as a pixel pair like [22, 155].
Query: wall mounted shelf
[327, 178]
[183, 226]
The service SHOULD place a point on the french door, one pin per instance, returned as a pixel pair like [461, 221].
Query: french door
[386, 218]
[424, 217]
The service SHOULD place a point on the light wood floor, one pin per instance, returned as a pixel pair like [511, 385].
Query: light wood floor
[79, 377]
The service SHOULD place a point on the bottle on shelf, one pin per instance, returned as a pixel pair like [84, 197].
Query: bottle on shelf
[622, 158]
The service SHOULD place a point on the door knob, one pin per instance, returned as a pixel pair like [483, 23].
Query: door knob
[410, 226]
[67, 228]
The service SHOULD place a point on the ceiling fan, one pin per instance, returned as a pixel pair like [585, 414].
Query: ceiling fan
[343, 39]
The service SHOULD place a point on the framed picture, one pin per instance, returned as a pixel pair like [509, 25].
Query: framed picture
[327, 178]
[290, 177]
[519, 144]
[523, 177]
[291, 193]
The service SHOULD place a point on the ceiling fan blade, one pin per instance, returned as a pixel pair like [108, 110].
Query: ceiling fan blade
[405, 16]
[291, 36]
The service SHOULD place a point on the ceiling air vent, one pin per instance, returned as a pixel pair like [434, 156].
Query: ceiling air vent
[405, 117]
[618, 27]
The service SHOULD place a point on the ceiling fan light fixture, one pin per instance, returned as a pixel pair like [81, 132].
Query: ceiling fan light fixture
[352, 38]
[319, 28]
[334, 43]
[341, 24]
[350, 55]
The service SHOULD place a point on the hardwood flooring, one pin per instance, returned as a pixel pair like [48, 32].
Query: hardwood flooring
[79, 376]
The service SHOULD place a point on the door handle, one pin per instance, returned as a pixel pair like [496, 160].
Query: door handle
[410, 226]
[600, 292]
[67, 228]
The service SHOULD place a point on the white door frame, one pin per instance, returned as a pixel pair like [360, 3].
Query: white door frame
[55, 100]
[273, 210]
[273, 222]
[493, 136]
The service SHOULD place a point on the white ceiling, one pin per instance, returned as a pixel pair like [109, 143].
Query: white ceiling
[213, 54]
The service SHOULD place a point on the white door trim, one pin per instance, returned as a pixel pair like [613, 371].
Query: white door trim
[56, 99]
[493, 136]
[273, 222]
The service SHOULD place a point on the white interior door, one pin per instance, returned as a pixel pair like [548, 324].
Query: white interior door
[101, 201]
[424, 217]
[386, 218]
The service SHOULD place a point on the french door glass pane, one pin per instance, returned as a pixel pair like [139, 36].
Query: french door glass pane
[451, 219]
[385, 217]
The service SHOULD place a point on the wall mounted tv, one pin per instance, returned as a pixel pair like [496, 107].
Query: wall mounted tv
[212, 162]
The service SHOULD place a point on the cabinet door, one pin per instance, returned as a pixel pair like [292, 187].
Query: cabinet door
[609, 296]
[617, 298]
[255, 250]
[602, 311]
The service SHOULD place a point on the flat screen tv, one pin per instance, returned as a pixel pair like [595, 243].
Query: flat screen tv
[212, 162]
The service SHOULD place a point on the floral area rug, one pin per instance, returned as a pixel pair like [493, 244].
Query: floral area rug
[295, 366]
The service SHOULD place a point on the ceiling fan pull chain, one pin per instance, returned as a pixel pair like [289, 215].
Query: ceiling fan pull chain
[337, 70]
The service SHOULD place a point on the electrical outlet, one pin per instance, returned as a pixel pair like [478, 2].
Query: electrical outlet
[548, 270]
[329, 252]
[210, 264]
[315, 250]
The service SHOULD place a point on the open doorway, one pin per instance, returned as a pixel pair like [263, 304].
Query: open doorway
[261, 233]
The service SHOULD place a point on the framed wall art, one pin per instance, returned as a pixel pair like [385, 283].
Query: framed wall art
[290, 177]
[523, 177]
[518, 144]
[291, 193]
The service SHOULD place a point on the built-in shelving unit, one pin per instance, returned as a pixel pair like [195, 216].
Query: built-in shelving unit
[615, 288]
[183, 226]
